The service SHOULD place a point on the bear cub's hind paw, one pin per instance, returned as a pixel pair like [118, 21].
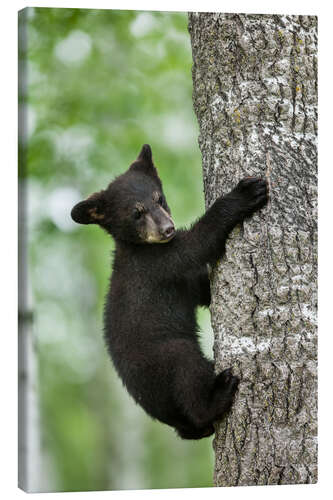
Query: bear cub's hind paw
[227, 381]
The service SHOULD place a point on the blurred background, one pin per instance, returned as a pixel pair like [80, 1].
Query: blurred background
[96, 85]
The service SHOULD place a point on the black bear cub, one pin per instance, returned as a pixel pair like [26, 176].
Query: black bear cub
[159, 278]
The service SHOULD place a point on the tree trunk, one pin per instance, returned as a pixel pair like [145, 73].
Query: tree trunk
[255, 97]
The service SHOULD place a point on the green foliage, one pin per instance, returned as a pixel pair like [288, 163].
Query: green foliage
[100, 84]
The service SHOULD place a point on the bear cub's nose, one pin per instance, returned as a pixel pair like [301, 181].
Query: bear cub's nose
[168, 230]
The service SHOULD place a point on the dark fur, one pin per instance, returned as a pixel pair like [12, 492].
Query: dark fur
[150, 323]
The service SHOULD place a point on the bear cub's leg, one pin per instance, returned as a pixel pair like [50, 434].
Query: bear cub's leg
[205, 398]
[207, 411]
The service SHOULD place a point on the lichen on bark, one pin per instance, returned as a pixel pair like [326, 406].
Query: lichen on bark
[255, 97]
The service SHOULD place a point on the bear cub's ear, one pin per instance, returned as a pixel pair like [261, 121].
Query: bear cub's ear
[89, 211]
[144, 162]
[146, 154]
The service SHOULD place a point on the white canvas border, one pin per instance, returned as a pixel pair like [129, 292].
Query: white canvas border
[9, 253]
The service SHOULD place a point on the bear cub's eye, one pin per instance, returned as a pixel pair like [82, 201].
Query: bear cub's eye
[137, 214]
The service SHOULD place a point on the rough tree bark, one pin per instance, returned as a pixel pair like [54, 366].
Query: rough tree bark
[255, 97]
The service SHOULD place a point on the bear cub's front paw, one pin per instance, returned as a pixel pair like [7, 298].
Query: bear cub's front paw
[253, 194]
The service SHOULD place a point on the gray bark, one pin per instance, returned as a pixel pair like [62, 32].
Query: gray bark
[255, 97]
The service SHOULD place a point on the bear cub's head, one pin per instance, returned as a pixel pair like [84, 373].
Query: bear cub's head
[132, 208]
